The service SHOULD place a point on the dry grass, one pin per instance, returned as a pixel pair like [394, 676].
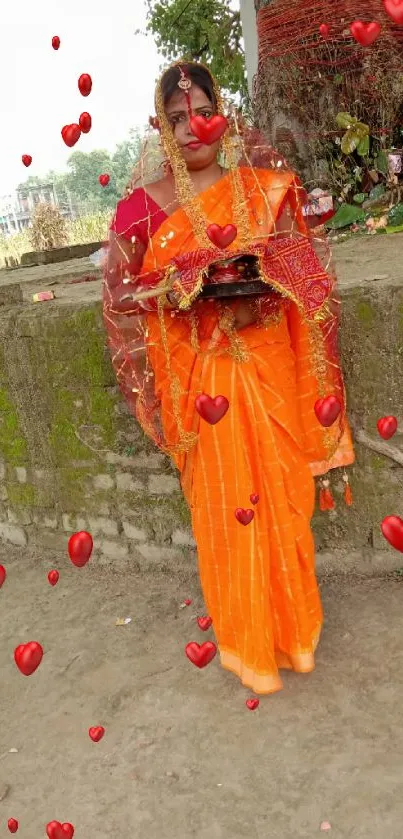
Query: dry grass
[91, 228]
[48, 228]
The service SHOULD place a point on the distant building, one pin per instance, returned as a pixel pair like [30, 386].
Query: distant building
[16, 210]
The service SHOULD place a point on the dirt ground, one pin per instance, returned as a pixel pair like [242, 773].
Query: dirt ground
[182, 756]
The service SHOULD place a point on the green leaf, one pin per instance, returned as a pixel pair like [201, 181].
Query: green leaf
[346, 215]
[359, 198]
[377, 191]
[363, 146]
[351, 140]
[345, 120]
[395, 216]
[382, 163]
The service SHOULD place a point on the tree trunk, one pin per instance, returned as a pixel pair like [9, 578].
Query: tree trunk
[304, 79]
[275, 119]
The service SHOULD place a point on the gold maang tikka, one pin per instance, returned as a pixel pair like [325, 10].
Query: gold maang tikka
[184, 82]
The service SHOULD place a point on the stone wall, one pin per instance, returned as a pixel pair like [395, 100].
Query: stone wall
[72, 457]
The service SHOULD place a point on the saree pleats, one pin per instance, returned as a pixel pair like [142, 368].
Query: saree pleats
[258, 580]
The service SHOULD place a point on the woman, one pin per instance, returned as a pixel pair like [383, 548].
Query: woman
[272, 357]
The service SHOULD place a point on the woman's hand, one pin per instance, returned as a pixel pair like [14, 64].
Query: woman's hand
[119, 299]
[173, 299]
[244, 315]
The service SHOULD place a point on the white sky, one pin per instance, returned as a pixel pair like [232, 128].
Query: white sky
[39, 92]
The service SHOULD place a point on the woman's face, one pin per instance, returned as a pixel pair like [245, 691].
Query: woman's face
[197, 155]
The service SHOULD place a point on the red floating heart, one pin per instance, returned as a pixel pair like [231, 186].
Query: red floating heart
[71, 134]
[26, 159]
[254, 498]
[68, 830]
[104, 180]
[244, 516]
[55, 830]
[365, 33]
[85, 84]
[392, 529]
[12, 825]
[200, 654]
[327, 410]
[53, 577]
[96, 733]
[205, 623]
[187, 602]
[211, 410]
[387, 427]
[80, 548]
[252, 704]
[324, 30]
[55, 42]
[28, 657]
[85, 122]
[3, 575]
[209, 131]
[394, 9]
[222, 236]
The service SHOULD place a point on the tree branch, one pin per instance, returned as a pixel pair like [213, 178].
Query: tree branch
[378, 446]
[178, 17]
[199, 54]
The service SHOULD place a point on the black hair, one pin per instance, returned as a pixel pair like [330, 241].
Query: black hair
[197, 74]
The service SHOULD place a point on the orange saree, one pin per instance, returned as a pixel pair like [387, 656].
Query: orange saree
[258, 580]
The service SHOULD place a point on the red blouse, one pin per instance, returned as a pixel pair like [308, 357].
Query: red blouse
[138, 215]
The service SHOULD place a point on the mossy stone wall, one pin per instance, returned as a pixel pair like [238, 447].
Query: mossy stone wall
[372, 351]
[72, 457]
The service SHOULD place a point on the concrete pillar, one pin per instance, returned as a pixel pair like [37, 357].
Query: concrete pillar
[249, 30]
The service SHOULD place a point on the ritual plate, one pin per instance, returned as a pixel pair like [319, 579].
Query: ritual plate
[243, 288]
